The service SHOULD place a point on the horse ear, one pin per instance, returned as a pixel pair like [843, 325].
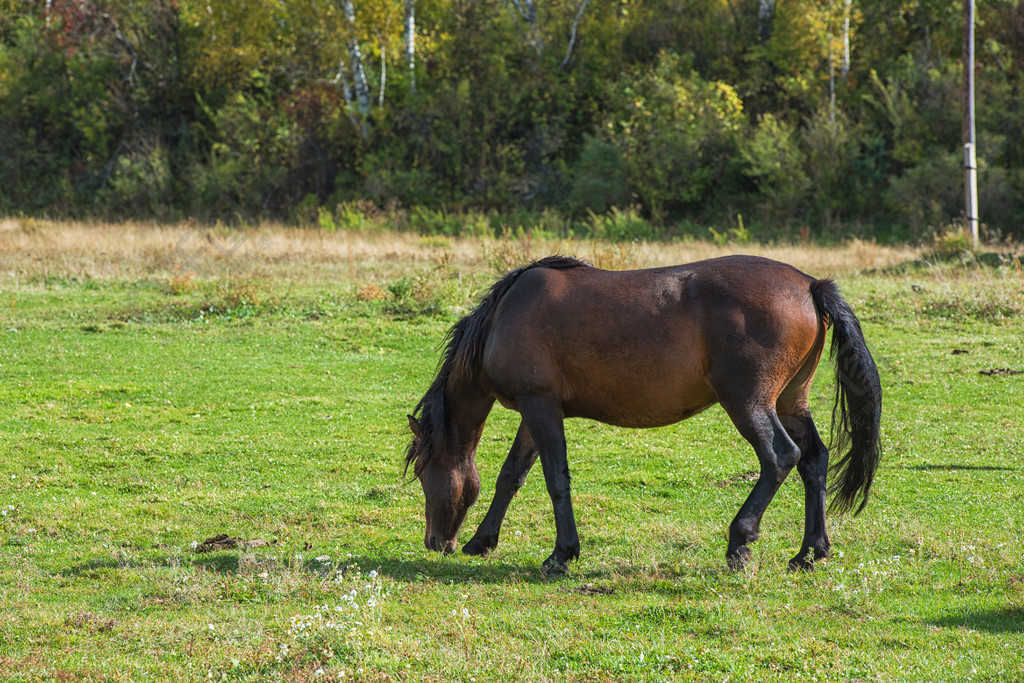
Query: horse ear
[414, 425]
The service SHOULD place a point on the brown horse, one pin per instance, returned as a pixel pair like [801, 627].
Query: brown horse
[647, 348]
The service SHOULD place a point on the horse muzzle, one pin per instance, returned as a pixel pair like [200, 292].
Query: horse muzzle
[436, 544]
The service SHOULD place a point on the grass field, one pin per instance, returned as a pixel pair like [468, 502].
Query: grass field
[163, 385]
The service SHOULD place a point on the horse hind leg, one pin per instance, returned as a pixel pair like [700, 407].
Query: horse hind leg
[813, 469]
[521, 458]
[777, 454]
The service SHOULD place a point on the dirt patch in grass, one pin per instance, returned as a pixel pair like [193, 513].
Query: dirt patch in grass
[91, 622]
[225, 542]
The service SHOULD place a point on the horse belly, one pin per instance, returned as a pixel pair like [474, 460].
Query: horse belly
[658, 397]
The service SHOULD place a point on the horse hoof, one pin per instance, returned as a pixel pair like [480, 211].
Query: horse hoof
[807, 558]
[739, 558]
[477, 547]
[801, 563]
[554, 567]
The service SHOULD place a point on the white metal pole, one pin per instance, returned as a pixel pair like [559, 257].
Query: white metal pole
[970, 154]
[971, 191]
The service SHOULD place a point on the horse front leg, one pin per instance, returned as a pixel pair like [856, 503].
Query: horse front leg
[513, 473]
[543, 417]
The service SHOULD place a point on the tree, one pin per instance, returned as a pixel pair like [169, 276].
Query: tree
[410, 42]
[362, 90]
[765, 17]
[525, 12]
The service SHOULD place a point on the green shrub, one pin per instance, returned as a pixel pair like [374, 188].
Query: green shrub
[773, 160]
[928, 195]
[677, 132]
[737, 235]
[427, 221]
[830, 145]
[599, 178]
[622, 225]
[952, 242]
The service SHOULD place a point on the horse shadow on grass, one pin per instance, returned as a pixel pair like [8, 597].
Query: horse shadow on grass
[954, 468]
[91, 568]
[1009, 619]
[454, 569]
[457, 570]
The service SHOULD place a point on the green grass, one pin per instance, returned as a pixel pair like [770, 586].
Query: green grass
[139, 418]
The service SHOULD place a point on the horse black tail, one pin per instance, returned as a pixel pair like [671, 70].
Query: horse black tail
[857, 411]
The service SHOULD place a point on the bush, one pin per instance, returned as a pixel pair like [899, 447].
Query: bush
[775, 163]
[831, 145]
[599, 178]
[926, 196]
[1001, 200]
[622, 225]
[427, 221]
[678, 134]
[59, 119]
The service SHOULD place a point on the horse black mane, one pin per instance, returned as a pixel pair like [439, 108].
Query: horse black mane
[464, 345]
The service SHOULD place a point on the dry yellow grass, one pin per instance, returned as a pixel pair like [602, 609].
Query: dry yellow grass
[30, 249]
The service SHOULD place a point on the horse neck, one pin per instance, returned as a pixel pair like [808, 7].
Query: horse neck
[467, 409]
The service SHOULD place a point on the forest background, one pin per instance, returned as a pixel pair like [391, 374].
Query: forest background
[632, 119]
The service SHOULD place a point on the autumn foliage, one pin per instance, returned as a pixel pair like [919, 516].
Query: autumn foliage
[662, 117]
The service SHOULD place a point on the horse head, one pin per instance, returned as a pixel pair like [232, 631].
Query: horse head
[451, 485]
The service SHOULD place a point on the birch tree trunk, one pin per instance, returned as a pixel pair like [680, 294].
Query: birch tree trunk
[572, 34]
[410, 42]
[831, 86]
[846, 41]
[765, 16]
[362, 90]
[527, 12]
[383, 69]
[346, 91]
